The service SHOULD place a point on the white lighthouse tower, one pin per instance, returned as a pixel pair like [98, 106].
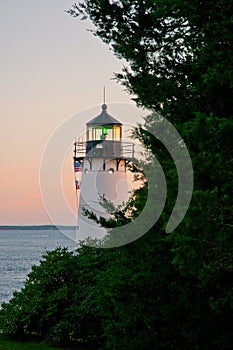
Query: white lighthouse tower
[101, 159]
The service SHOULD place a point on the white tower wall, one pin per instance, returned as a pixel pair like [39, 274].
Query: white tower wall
[111, 183]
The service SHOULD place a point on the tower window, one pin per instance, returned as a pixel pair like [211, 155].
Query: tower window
[111, 171]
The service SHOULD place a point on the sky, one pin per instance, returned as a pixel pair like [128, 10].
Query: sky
[52, 71]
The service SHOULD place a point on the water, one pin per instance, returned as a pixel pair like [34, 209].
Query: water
[19, 250]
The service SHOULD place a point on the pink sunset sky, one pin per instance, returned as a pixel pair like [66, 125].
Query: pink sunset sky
[52, 71]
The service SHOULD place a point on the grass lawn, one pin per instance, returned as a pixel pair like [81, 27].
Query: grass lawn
[13, 345]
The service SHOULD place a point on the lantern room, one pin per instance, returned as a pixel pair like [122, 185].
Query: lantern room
[104, 134]
[104, 127]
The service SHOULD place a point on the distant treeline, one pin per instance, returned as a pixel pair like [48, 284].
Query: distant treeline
[40, 227]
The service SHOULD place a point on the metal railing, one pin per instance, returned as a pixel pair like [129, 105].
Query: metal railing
[104, 149]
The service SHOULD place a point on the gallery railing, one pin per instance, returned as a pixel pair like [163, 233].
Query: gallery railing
[104, 149]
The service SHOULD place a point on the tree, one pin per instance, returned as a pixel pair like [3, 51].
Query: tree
[181, 50]
[180, 64]
[57, 303]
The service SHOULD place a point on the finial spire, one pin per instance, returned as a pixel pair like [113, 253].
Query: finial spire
[104, 94]
[104, 106]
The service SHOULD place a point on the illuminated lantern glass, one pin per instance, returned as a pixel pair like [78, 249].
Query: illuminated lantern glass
[104, 131]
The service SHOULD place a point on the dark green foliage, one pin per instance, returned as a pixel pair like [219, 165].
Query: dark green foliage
[181, 50]
[180, 64]
[6, 344]
[57, 301]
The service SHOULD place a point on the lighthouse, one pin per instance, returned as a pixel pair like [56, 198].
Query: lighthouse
[100, 162]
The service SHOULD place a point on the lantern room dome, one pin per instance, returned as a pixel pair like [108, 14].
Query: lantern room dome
[103, 119]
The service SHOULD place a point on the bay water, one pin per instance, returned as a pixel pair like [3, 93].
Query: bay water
[19, 250]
